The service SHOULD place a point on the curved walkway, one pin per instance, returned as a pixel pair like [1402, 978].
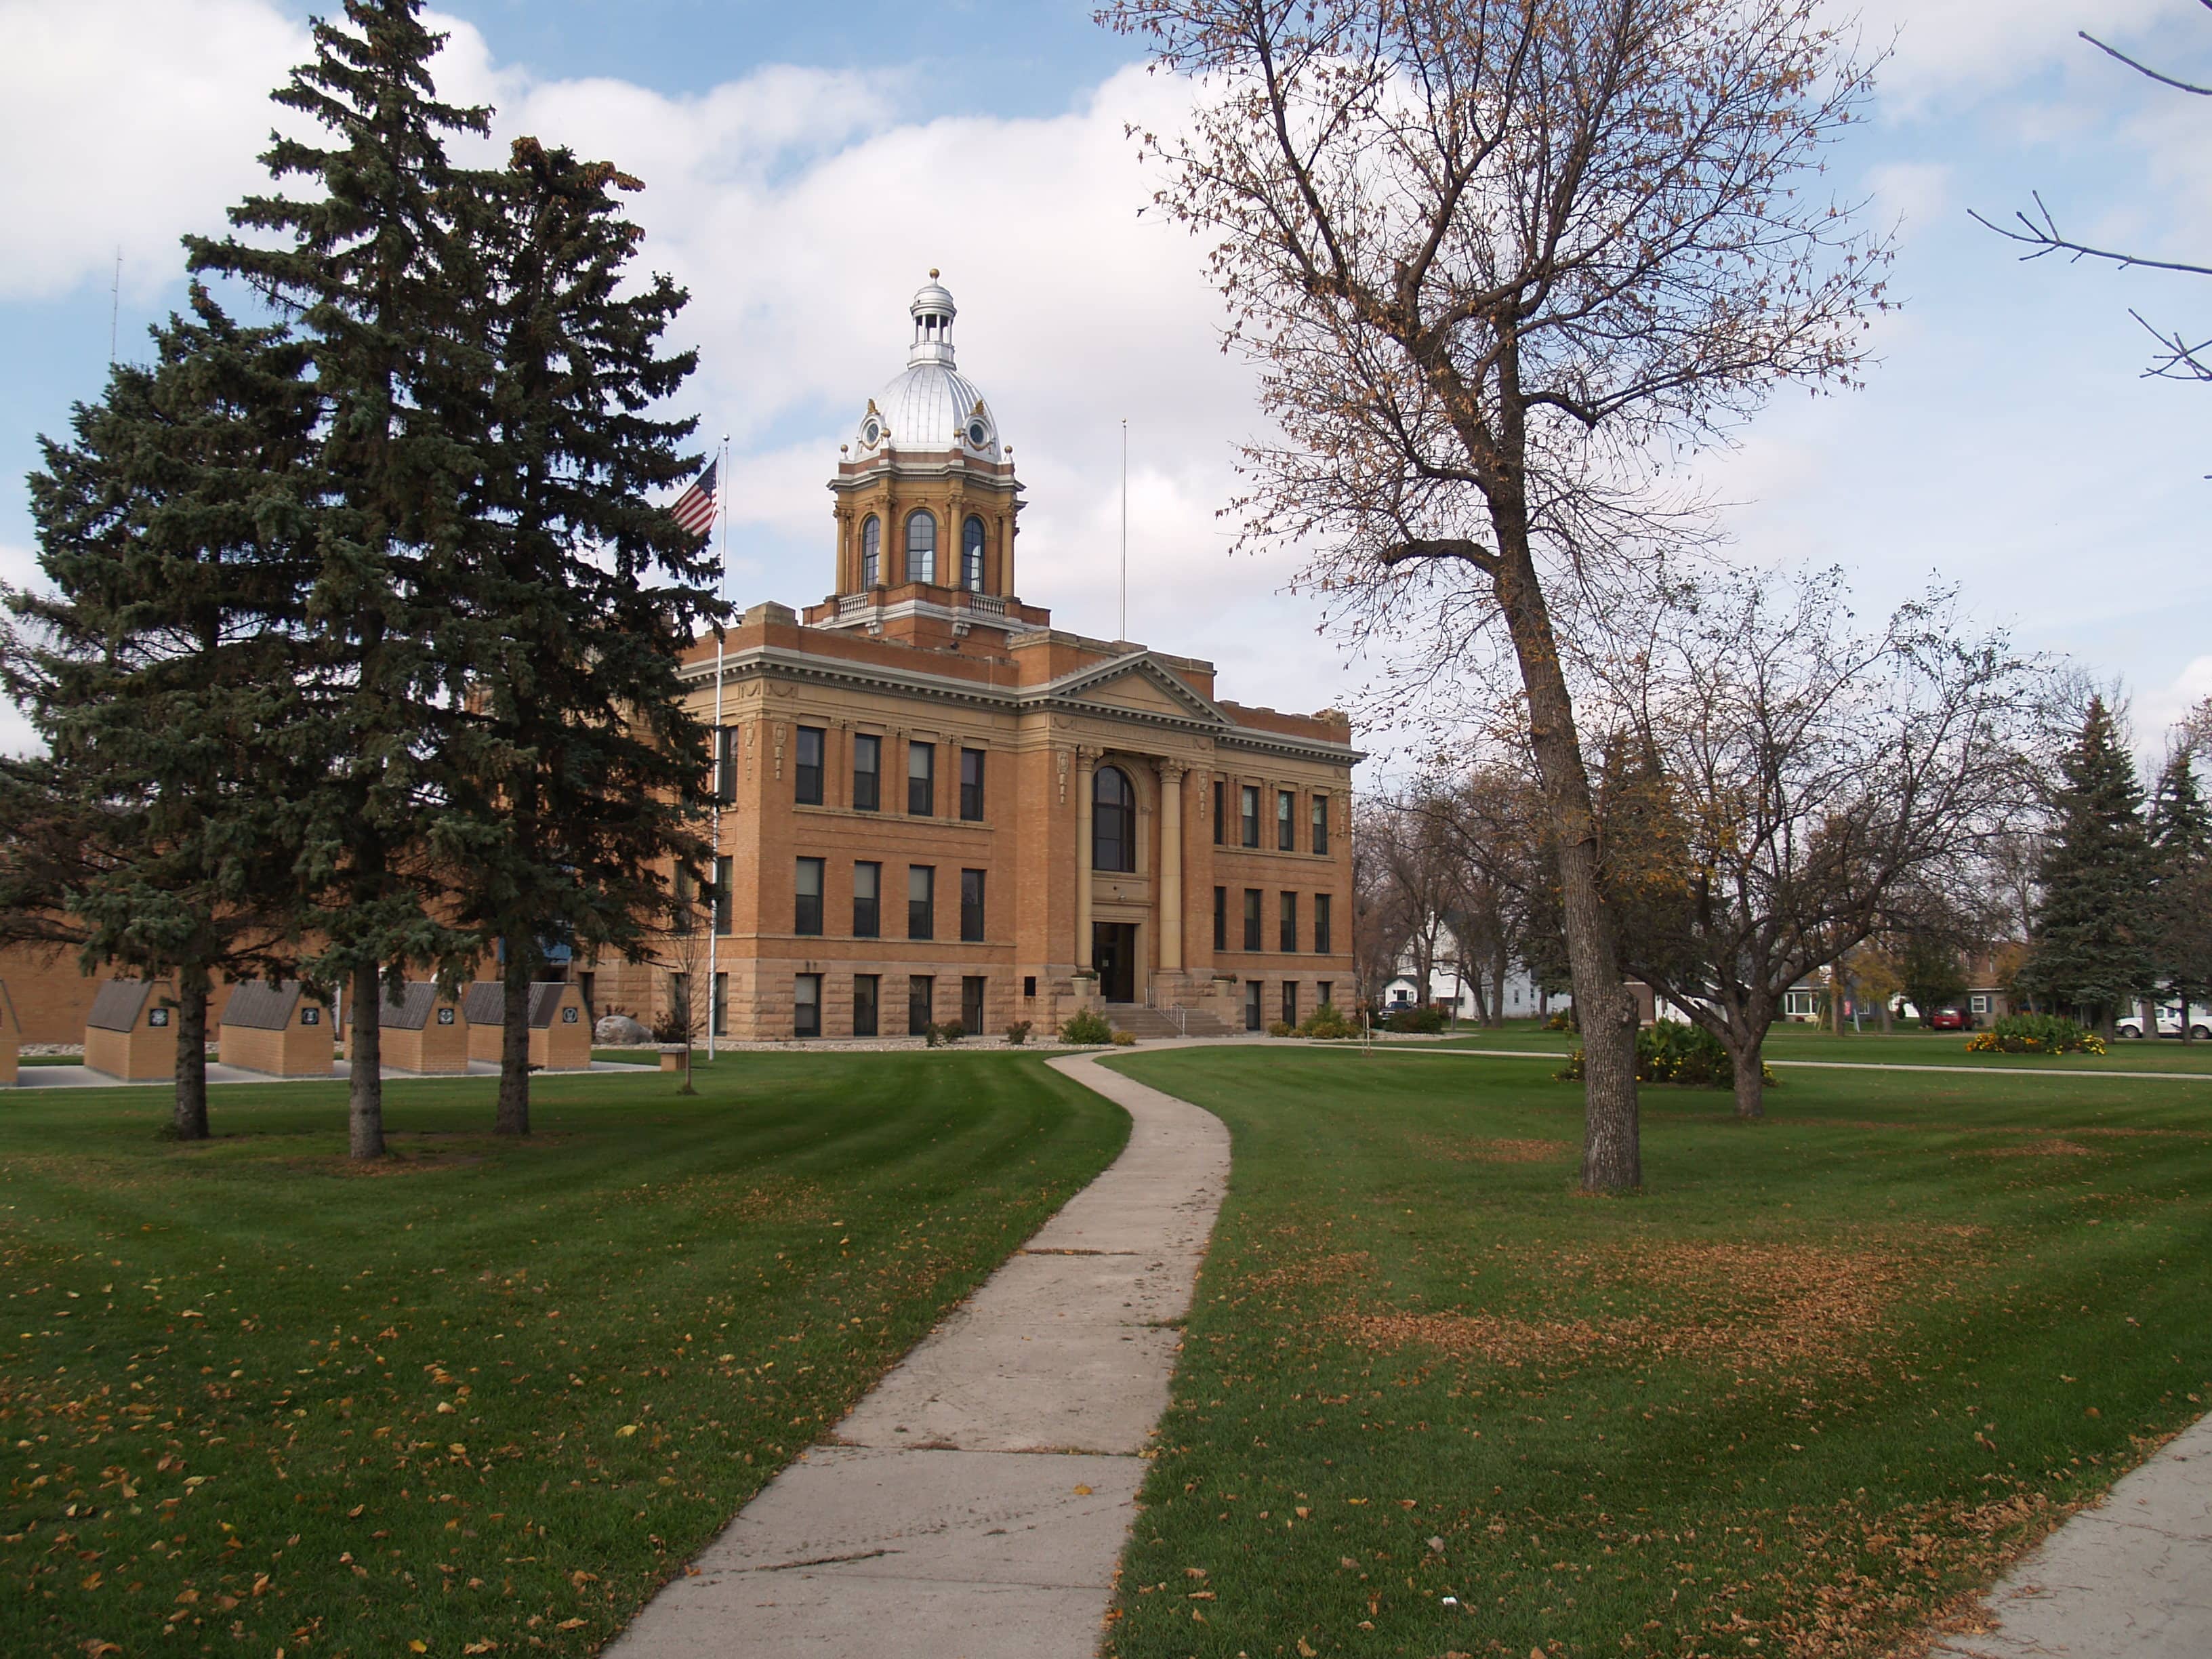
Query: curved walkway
[974, 1505]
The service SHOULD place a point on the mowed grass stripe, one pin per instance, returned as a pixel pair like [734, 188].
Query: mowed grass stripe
[1825, 1376]
[254, 1397]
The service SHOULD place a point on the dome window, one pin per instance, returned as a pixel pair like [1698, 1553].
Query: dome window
[921, 546]
[1113, 821]
[978, 433]
[871, 551]
[971, 555]
[870, 433]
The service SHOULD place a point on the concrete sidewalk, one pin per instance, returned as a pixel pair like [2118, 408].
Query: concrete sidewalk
[2129, 1579]
[80, 1077]
[974, 1504]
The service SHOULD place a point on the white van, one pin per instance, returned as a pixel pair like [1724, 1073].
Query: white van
[2169, 1021]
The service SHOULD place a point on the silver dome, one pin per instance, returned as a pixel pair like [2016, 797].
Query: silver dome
[930, 407]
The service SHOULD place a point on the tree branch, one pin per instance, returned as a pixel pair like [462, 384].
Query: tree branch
[1467, 552]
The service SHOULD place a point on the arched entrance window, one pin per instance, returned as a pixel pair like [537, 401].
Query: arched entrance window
[971, 555]
[921, 546]
[871, 551]
[1113, 821]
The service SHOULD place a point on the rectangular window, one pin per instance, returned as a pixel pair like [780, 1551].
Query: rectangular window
[806, 1005]
[725, 763]
[1251, 826]
[722, 896]
[1321, 920]
[1029, 985]
[972, 905]
[1251, 918]
[971, 1002]
[1321, 823]
[720, 1015]
[920, 1003]
[921, 901]
[808, 770]
[864, 989]
[1979, 1003]
[1290, 920]
[1286, 822]
[1220, 812]
[679, 1005]
[971, 785]
[687, 901]
[1221, 918]
[807, 917]
[1325, 994]
[867, 772]
[921, 779]
[1252, 989]
[867, 901]
[1290, 1002]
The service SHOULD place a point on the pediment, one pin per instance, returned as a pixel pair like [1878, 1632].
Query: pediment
[1139, 685]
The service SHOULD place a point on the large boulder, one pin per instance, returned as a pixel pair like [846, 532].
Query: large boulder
[615, 1030]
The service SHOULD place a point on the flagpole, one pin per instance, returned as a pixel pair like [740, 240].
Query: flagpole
[721, 761]
[1124, 633]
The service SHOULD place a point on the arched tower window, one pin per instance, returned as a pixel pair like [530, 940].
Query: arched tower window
[871, 551]
[971, 555]
[921, 546]
[1113, 820]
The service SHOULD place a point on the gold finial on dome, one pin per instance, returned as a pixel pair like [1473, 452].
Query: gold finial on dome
[933, 273]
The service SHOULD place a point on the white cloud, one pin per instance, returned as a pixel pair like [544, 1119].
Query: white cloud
[1946, 50]
[127, 123]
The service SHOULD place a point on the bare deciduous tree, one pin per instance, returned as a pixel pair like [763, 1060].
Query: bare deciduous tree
[1494, 258]
[1784, 788]
[2177, 357]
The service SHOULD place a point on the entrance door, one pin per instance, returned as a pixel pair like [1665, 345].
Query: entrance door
[1113, 954]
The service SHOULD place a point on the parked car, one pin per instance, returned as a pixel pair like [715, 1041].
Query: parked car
[2169, 1023]
[1947, 1019]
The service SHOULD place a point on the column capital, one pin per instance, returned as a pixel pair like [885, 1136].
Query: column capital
[1172, 772]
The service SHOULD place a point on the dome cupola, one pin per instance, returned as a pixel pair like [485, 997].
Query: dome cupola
[930, 408]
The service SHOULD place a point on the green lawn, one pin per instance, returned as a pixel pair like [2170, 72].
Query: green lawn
[1915, 1048]
[254, 1398]
[1825, 1376]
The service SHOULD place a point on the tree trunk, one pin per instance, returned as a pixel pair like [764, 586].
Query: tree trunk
[513, 1116]
[190, 1121]
[1498, 989]
[2150, 1017]
[1612, 1138]
[1887, 1004]
[1750, 1077]
[365, 1067]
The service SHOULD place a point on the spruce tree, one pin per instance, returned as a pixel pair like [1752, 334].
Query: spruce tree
[2181, 860]
[2090, 950]
[365, 265]
[581, 766]
[175, 529]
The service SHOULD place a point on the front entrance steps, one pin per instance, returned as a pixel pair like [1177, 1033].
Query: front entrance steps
[1149, 1024]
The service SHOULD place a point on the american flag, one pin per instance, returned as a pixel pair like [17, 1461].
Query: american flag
[695, 509]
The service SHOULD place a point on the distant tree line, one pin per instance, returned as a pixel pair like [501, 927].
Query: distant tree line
[356, 652]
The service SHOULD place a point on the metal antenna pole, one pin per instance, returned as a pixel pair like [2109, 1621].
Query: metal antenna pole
[721, 767]
[1124, 632]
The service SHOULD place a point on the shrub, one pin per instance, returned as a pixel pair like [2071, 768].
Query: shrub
[2035, 1034]
[950, 1032]
[1278, 1028]
[1674, 1051]
[670, 1027]
[1125, 1039]
[1328, 1022]
[1563, 1020]
[1416, 1019]
[1085, 1027]
[1018, 1033]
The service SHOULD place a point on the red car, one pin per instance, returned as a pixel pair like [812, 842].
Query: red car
[1947, 1020]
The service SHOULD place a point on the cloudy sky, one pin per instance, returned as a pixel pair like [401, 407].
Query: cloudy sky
[807, 165]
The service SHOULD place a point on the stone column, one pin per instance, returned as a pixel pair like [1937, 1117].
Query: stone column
[1085, 761]
[1171, 775]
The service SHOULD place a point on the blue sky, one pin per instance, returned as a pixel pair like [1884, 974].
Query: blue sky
[807, 165]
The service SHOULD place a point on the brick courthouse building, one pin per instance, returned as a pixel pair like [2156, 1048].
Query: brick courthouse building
[937, 806]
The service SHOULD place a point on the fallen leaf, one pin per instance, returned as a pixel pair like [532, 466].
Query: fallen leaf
[1307, 1649]
[1083, 1492]
[626, 1430]
[569, 1624]
[418, 1645]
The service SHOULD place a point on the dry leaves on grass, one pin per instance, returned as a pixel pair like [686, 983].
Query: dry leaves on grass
[1748, 1306]
[1308, 1273]
[2050, 1147]
[1454, 1150]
